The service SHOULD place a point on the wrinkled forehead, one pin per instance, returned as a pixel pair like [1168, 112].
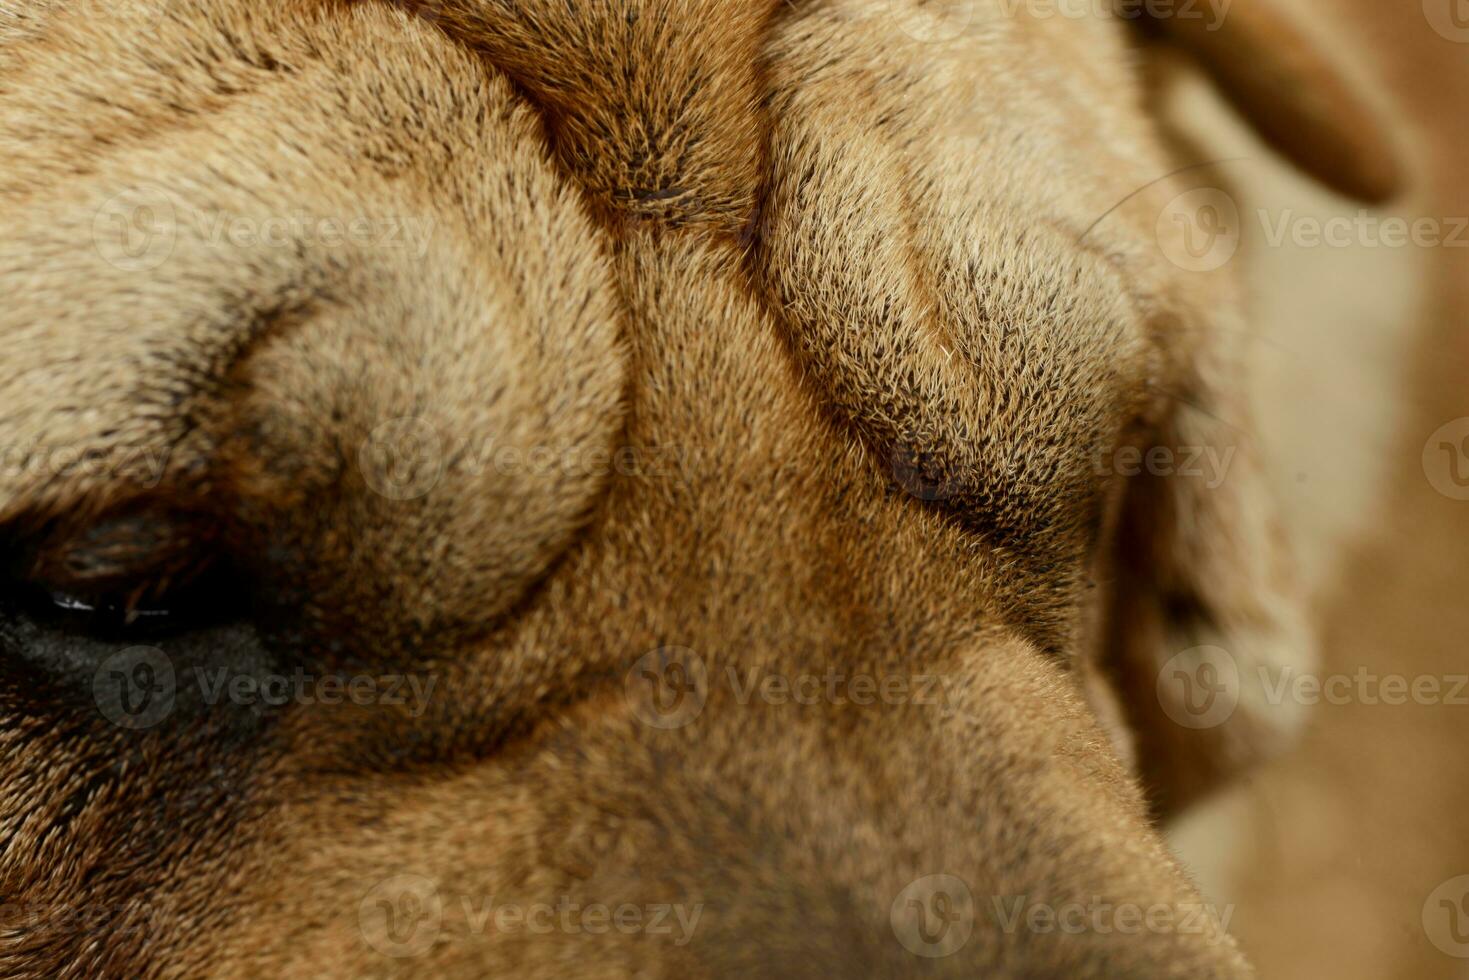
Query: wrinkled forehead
[957, 271]
[942, 230]
[955, 306]
[1031, 105]
[1015, 138]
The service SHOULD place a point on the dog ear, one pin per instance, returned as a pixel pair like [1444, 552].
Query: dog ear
[1205, 623]
[1277, 77]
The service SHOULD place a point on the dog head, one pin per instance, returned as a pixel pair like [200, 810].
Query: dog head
[497, 486]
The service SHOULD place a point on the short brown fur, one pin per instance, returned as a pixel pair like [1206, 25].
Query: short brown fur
[860, 309]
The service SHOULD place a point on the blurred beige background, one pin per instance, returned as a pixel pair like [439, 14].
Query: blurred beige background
[1330, 854]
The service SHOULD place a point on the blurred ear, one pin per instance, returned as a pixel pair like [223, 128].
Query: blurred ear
[1205, 624]
[1294, 93]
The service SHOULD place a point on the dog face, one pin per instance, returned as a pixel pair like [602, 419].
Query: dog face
[606, 492]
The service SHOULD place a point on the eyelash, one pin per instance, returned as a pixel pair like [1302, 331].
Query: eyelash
[122, 619]
[94, 584]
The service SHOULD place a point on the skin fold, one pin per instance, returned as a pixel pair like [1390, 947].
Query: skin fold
[695, 427]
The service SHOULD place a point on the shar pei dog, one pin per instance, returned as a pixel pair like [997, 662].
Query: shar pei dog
[627, 488]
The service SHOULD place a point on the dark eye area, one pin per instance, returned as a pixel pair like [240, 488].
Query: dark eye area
[129, 578]
[101, 615]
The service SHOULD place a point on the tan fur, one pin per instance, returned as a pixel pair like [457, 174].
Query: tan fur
[864, 310]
